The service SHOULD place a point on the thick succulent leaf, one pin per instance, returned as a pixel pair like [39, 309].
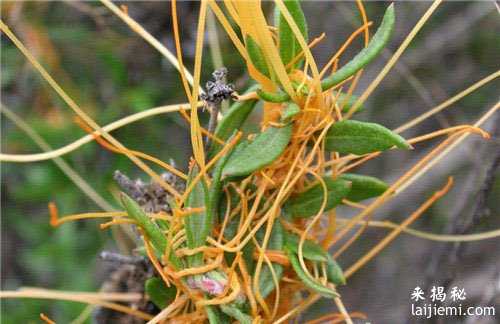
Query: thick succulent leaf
[308, 281]
[351, 136]
[256, 56]
[289, 47]
[308, 203]
[250, 156]
[368, 54]
[159, 293]
[363, 187]
[310, 250]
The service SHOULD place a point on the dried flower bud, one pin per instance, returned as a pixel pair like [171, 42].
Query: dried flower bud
[152, 197]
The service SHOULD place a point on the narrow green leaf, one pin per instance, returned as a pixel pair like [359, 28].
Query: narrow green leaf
[277, 97]
[310, 250]
[256, 56]
[308, 281]
[235, 313]
[232, 228]
[234, 200]
[346, 102]
[247, 251]
[291, 110]
[334, 272]
[250, 156]
[363, 58]
[276, 241]
[233, 120]
[364, 187]
[366, 55]
[300, 88]
[152, 230]
[197, 224]
[247, 254]
[266, 282]
[289, 47]
[351, 136]
[159, 293]
[215, 191]
[158, 239]
[214, 315]
[308, 203]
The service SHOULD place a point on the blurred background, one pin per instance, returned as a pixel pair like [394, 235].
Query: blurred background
[111, 72]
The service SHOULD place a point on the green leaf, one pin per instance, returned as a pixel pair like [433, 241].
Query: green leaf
[235, 313]
[232, 228]
[214, 207]
[247, 251]
[215, 191]
[266, 282]
[214, 315]
[289, 47]
[256, 56]
[159, 293]
[363, 187]
[310, 250]
[346, 102]
[276, 240]
[308, 203]
[277, 97]
[158, 239]
[247, 254]
[250, 156]
[334, 272]
[233, 120]
[307, 280]
[314, 252]
[291, 110]
[367, 54]
[152, 230]
[351, 136]
[197, 224]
